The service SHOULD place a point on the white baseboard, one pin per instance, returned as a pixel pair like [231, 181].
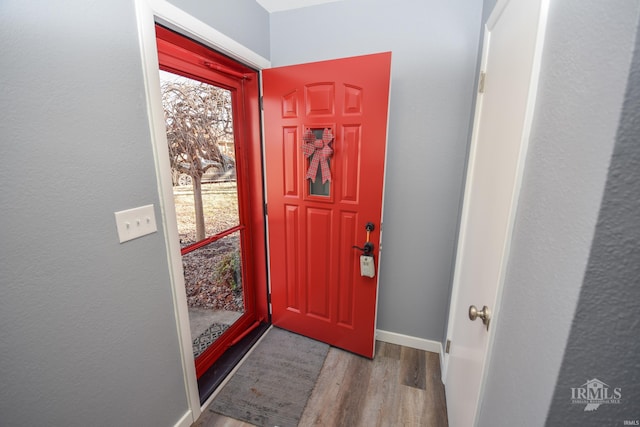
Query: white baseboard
[186, 420]
[409, 341]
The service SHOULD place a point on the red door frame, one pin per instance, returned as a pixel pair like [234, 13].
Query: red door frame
[181, 55]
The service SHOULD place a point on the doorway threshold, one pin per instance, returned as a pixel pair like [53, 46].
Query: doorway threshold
[222, 367]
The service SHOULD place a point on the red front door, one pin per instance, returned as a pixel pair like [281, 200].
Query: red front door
[316, 284]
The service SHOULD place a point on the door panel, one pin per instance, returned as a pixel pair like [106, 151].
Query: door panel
[512, 50]
[316, 286]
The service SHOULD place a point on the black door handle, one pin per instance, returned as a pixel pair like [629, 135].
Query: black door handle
[367, 250]
[368, 246]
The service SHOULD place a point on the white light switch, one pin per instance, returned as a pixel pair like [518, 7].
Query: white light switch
[136, 222]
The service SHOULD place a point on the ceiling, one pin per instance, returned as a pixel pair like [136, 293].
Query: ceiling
[279, 5]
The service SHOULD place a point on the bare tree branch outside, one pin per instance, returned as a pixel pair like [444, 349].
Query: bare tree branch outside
[198, 117]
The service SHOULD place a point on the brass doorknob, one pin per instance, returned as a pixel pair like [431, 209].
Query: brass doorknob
[484, 314]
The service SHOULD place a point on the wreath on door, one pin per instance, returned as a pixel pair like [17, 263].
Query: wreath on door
[319, 151]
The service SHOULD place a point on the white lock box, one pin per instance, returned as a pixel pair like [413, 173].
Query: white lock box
[367, 266]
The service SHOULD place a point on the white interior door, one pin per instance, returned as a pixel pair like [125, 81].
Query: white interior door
[511, 57]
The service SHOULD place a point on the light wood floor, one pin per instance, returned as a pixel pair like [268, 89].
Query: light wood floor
[400, 387]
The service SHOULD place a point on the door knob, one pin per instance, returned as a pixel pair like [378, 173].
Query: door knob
[367, 249]
[484, 314]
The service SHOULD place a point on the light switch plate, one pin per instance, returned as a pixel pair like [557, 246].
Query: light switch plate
[136, 222]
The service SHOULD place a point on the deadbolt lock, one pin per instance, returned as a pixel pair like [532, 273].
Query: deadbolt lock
[484, 314]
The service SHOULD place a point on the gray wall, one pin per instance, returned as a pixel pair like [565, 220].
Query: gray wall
[603, 342]
[434, 45]
[87, 335]
[586, 61]
[245, 21]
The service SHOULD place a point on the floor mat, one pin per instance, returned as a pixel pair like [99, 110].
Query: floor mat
[207, 338]
[272, 386]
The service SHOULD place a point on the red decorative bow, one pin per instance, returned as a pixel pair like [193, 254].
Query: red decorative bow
[320, 150]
